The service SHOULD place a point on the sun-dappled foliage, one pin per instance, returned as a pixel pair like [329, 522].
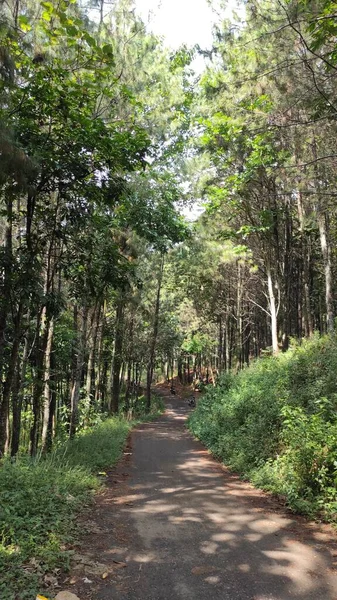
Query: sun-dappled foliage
[276, 423]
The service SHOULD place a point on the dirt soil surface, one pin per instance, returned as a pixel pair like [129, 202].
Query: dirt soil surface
[173, 524]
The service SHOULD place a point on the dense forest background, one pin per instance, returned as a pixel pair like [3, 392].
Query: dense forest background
[104, 134]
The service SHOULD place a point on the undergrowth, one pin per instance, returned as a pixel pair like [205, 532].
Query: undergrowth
[276, 423]
[39, 502]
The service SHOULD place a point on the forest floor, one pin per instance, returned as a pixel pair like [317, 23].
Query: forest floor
[172, 523]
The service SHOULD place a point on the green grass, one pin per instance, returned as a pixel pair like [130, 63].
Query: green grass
[39, 502]
[96, 448]
[276, 423]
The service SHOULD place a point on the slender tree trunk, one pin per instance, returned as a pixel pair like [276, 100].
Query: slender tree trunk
[4, 310]
[323, 226]
[16, 411]
[128, 385]
[150, 366]
[90, 378]
[117, 357]
[7, 388]
[47, 390]
[239, 317]
[17, 397]
[326, 253]
[75, 393]
[101, 363]
[273, 312]
[220, 345]
[74, 353]
[308, 322]
[52, 405]
[42, 330]
[180, 368]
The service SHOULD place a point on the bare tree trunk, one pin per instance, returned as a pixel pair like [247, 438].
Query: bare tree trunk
[75, 393]
[323, 226]
[52, 405]
[180, 368]
[239, 317]
[273, 312]
[7, 388]
[17, 397]
[101, 364]
[117, 358]
[16, 411]
[42, 330]
[326, 253]
[47, 391]
[308, 322]
[150, 365]
[90, 379]
[4, 309]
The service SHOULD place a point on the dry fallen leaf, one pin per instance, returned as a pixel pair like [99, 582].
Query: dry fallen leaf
[66, 596]
[119, 565]
[39, 597]
[105, 575]
[73, 580]
[50, 580]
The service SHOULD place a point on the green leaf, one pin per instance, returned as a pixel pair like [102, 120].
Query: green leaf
[72, 30]
[24, 23]
[48, 6]
[107, 50]
[46, 16]
[89, 39]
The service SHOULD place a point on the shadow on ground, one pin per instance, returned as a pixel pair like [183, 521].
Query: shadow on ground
[184, 528]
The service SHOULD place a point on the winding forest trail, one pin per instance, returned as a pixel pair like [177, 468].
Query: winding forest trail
[174, 525]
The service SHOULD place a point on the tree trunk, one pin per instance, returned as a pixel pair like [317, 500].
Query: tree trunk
[90, 378]
[7, 388]
[117, 357]
[150, 365]
[323, 226]
[180, 368]
[47, 390]
[326, 253]
[308, 322]
[75, 393]
[42, 330]
[17, 397]
[4, 309]
[273, 312]
[16, 411]
[101, 364]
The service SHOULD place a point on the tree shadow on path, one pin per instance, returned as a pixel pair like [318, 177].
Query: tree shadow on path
[192, 530]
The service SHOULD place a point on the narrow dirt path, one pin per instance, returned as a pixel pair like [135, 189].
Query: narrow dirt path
[174, 525]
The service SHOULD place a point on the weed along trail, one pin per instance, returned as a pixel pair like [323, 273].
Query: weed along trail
[173, 524]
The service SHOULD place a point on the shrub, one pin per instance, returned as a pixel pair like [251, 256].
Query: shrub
[275, 423]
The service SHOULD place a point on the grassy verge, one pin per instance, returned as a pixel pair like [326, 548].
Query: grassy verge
[39, 501]
[276, 423]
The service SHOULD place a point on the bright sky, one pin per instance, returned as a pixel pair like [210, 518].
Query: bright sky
[179, 21]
